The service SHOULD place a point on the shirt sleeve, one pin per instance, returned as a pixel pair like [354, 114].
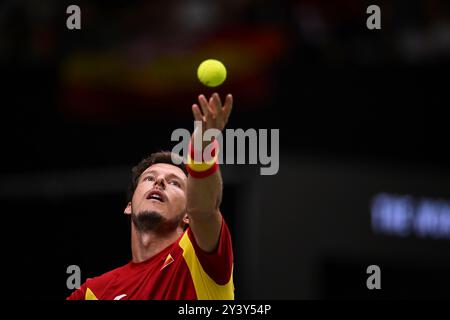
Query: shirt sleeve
[219, 263]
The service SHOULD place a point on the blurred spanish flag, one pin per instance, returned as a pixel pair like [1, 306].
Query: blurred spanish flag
[114, 84]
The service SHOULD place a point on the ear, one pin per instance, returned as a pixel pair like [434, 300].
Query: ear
[127, 208]
[186, 219]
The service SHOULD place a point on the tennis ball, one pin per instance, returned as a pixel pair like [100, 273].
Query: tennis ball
[211, 73]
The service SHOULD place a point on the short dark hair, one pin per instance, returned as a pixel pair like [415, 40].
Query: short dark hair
[144, 164]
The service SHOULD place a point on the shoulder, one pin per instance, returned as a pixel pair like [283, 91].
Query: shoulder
[93, 287]
[217, 264]
[103, 279]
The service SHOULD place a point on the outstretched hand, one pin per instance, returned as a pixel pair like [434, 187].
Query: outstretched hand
[212, 114]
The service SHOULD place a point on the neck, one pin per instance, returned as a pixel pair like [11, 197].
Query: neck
[146, 245]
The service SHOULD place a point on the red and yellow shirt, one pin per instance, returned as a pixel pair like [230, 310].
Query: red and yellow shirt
[182, 271]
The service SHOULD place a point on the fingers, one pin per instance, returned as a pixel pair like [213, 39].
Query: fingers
[212, 106]
[227, 107]
[213, 109]
[215, 105]
[197, 113]
[204, 105]
[217, 101]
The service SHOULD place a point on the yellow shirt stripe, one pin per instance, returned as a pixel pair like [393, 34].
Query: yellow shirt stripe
[205, 287]
[89, 295]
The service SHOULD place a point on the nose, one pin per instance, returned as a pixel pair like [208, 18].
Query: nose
[161, 182]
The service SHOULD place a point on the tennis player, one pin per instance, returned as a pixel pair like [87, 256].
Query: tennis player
[180, 243]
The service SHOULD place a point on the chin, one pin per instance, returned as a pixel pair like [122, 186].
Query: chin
[155, 209]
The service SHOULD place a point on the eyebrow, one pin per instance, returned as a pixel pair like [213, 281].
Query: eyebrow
[170, 175]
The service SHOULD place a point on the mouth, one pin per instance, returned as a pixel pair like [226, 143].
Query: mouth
[156, 196]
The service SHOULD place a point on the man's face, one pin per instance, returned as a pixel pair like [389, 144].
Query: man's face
[161, 191]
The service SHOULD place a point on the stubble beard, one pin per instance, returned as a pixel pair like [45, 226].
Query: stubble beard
[147, 221]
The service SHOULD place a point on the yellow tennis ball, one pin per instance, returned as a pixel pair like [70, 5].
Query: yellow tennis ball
[211, 73]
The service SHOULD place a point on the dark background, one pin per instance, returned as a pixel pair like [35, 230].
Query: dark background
[360, 112]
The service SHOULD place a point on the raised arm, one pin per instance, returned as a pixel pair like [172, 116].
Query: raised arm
[204, 194]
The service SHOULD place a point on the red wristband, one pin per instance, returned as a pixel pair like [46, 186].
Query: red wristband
[202, 174]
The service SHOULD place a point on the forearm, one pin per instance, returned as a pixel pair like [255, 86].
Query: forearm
[203, 194]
